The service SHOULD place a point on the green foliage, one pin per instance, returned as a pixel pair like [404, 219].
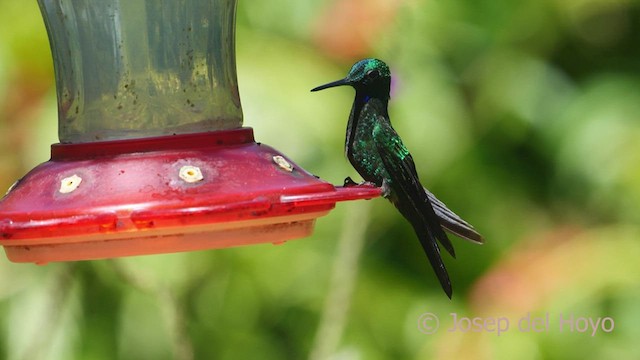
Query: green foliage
[521, 116]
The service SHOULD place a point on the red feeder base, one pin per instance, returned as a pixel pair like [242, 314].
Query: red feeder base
[161, 195]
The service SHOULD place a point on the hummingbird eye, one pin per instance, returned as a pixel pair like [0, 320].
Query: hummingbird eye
[373, 74]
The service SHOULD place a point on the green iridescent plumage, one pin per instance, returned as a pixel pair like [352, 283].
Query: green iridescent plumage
[376, 151]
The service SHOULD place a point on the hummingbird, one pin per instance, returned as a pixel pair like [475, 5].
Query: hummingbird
[377, 153]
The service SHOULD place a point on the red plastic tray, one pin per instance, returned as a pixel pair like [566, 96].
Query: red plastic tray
[160, 195]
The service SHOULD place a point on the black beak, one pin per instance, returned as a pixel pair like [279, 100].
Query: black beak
[331, 84]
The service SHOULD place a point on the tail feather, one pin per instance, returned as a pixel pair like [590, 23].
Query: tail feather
[430, 246]
[402, 186]
[418, 211]
[452, 222]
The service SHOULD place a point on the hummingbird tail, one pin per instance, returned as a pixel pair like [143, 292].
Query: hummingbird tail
[431, 249]
[409, 197]
[423, 224]
[452, 222]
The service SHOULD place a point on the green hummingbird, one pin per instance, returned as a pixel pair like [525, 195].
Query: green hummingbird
[377, 153]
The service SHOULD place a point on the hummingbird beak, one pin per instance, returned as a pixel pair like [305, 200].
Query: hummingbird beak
[332, 84]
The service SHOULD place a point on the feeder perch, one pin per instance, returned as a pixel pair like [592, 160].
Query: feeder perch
[153, 157]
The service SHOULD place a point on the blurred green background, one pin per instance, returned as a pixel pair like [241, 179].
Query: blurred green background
[522, 116]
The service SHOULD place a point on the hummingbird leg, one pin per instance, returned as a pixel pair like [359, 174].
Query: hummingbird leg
[386, 189]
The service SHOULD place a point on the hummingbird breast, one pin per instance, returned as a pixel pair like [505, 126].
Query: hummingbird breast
[360, 147]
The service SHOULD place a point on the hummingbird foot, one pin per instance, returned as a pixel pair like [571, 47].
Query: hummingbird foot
[348, 182]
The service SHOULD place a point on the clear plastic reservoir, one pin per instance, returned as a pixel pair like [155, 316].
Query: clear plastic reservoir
[140, 68]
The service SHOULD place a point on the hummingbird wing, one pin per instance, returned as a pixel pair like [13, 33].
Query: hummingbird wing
[452, 222]
[408, 195]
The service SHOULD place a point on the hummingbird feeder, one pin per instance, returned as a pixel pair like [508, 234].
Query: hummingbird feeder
[153, 157]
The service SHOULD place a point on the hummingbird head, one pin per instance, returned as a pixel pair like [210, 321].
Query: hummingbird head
[371, 76]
